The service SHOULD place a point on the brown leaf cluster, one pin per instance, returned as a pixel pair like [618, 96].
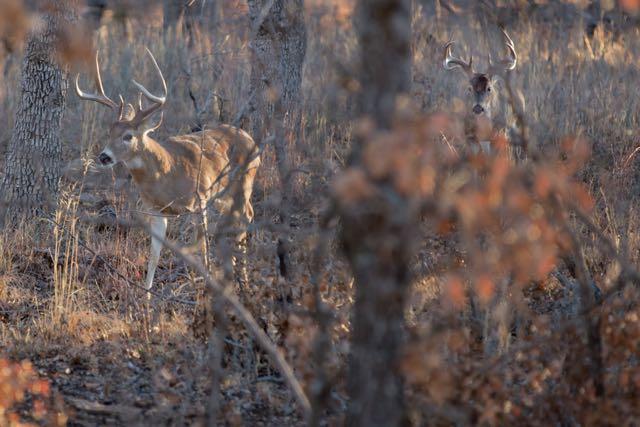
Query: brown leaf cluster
[75, 46]
[15, 23]
[543, 380]
[19, 382]
[508, 217]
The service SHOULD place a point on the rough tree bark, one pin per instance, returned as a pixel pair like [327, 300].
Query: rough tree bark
[278, 45]
[33, 163]
[376, 234]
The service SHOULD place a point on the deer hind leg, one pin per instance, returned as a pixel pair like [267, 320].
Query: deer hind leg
[203, 320]
[158, 231]
[239, 258]
[242, 221]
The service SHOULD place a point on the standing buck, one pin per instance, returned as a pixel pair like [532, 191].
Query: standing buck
[488, 110]
[180, 174]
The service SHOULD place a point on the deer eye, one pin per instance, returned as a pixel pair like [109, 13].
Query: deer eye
[127, 137]
[488, 89]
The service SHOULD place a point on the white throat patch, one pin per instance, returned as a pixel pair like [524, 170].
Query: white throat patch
[135, 163]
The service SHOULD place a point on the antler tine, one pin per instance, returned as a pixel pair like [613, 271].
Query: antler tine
[512, 50]
[151, 97]
[121, 108]
[98, 76]
[158, 101]
[451, 62]
[157, 125]
[506, 64]
[100, 97]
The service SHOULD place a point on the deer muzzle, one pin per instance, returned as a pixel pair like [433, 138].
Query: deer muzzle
[105, 159]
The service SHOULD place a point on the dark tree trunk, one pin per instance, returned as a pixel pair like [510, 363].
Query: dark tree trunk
[33, 162]
[278, 47]
[377, 233]
[94, 12]
[592, 17]
[385, 56]
[278, 50]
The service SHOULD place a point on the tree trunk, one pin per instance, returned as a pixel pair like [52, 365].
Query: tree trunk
[33, 162]
[592, 17]
[376, 234]
[94, 12]
[279, 46]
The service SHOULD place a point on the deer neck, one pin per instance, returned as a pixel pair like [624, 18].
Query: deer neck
[150, 162]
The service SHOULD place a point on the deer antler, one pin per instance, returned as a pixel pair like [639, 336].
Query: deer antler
[451, 62]
[505, 64]
[157, 102]
[99, 97]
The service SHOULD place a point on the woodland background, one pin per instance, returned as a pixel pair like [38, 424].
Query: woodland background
[403, 279]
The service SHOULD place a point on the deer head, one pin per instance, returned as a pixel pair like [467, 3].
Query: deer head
[481, 85]
[131, 125]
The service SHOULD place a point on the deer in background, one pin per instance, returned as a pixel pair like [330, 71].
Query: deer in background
[489, 110]
[180, 174]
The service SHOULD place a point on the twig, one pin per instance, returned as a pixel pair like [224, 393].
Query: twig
[102, 409]
[247, 318]
[625, 164]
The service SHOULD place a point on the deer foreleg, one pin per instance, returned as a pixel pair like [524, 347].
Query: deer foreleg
[158, 231]
[204, 242]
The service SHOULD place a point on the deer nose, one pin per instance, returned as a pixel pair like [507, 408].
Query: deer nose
[477, 109]
[105, 159]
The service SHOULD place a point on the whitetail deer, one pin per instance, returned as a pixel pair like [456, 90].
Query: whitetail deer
[490, 109]
[180, 174]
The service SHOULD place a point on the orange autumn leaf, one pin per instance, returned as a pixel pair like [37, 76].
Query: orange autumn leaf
[631, 6]
[485, 288]
[454, 291]
[352, 186]
[543, 184]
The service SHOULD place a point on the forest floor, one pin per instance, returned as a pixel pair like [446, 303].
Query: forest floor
[114, 359]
